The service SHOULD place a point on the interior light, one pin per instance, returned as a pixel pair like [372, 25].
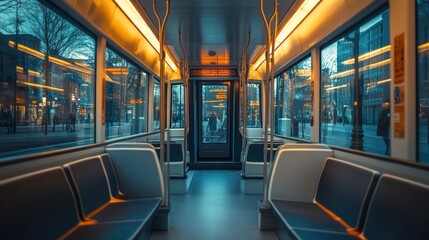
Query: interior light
[135, 17]
[295, 20]
[306, 7]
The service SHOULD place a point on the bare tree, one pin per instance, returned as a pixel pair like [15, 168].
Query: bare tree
[8, 11]
[59, 38]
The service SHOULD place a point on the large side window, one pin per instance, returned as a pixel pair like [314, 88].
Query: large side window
[294, 101]
[156, 105]
[46, 80]
[355, 88]
[253, 105]
[423, 79]
[177, 105]
[125, 97]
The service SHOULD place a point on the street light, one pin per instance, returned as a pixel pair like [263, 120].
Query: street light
[357, 132]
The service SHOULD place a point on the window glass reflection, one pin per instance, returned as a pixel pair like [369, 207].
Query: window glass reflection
[125, 97]
[355, 97]
[177, 106]
[156, 105]
[214, 113]
[423, 79]
[46, 80]
[253, 105]
[293, 101]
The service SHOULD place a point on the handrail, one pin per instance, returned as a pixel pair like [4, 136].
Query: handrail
[185, 78]
[243, 81]
[266, 86]
[161, 27]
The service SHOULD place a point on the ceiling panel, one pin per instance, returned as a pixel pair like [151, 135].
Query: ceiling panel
[221, 26]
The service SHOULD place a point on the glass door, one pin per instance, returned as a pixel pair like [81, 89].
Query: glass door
[214, 121]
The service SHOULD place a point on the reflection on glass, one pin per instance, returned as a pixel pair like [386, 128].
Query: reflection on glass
[177, 106]
[125, 97]
[422, 8]
[156, 105]
[46, 80]
[253, 105]
[214, 113]
[293, 101]
[359, 60]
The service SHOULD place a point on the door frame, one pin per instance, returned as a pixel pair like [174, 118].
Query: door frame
[215, 151]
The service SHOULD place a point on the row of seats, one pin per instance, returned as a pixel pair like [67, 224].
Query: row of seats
[253, 157]
[343, 200]
[85, 199]
[177, 164]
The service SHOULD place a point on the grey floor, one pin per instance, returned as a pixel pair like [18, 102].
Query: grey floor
[214, 208]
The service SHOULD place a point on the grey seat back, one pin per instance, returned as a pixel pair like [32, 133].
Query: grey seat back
[91, 183]
[38, 205]
[138, 172]
[296, 172]
[345, 189]
[398, 210]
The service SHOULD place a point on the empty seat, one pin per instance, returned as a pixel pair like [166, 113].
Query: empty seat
[398, 210]
[177, 165]
[295, 173]
[343, 193]
[41, 205]
[254, 158]
[138, 172]
[92, 188]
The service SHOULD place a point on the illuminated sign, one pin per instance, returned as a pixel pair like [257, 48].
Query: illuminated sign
[221, 96]
[213, 73]
[136, 101]
[117, 71]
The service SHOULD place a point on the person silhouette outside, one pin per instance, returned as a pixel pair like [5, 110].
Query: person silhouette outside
[9, 121]
[72, 118]
[383, 125]
[212, 124]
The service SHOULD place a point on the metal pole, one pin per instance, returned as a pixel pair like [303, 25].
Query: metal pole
[357, 132]
[273, 43]
[185, 77]
[266, 105]
[243, 80]
[161, 26]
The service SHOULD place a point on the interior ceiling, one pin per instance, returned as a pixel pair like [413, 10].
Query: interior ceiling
[222, 26]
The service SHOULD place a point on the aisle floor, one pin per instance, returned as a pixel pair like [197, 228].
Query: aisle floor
[214, 208]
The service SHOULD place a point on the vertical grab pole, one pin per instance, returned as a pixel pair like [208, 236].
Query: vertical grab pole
[185, 76]
[161, 37]
[273, 43]
[243, 80]
[266, 94]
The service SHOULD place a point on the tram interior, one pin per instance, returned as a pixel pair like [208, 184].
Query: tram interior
[227, 119]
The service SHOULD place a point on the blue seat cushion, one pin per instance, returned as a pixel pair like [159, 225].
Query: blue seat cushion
[138, 209]
[107, 231]
[306, 215]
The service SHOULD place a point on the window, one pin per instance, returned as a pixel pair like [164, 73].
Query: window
[46, 80]
[177, 106]
[355, 88]
[423, 79]
[293, 101]
[253, 105]
[156, 105]
[125, 97]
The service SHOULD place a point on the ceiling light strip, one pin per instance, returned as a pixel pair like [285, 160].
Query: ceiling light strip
[303, 11]
[128, 8]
